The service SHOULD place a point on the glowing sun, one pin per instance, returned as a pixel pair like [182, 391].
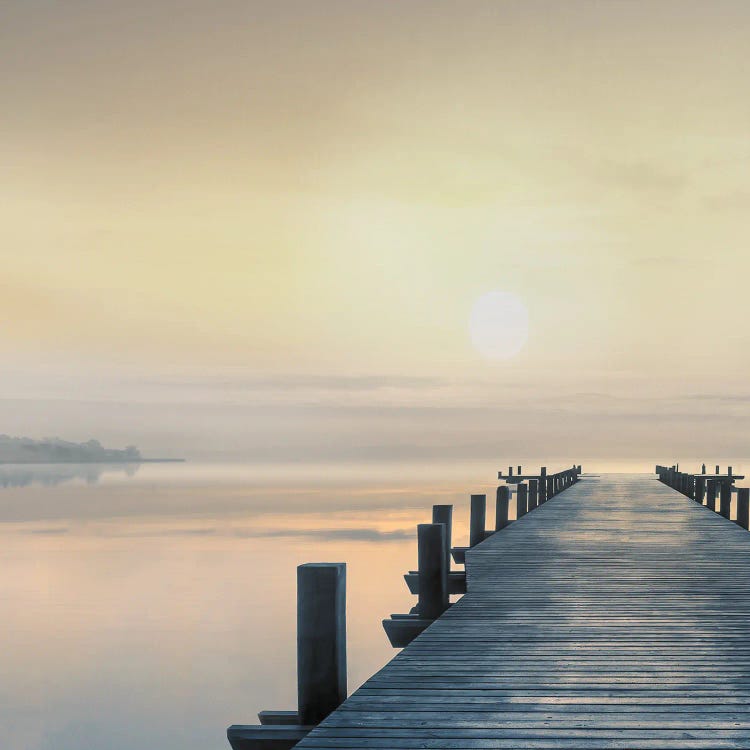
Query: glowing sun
[499, 325]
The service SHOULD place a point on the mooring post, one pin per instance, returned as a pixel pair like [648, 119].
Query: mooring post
[550, 487]
[321, 640]
[543, 485]
[743, 507]
[700, 489]
[703, 469]
[510, 471]
[444, 514]
[521, 500]
[477, 519]
[717, 468]
[533, 493]
[690, 486]
[433, 576]
[519, 471]
[725, 500]
[711, 494]
[501, 507]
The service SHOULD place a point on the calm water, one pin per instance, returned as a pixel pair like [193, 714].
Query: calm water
[153, 606]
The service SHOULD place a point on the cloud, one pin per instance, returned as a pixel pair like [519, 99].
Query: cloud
[292, 382]
[51, 531]
[641, 176]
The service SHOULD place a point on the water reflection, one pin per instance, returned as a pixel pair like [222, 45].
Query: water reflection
[156, 611]
[52, 475]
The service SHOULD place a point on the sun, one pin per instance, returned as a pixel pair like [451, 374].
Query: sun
[499, 325]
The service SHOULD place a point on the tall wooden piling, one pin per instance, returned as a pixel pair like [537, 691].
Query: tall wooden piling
[725, 499]
[444, 514]
[501, 507]
[743, 507]
[700, 489]
[321, 640]
[533, 493]
[477, 519]
[433, 575]
[521, 500]
[711, 494]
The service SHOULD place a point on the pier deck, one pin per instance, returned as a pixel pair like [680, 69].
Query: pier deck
[616, 615]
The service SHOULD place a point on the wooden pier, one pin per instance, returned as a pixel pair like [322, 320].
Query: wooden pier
[614, 615]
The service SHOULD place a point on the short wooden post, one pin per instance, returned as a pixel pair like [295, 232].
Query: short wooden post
[321, 640]
[433, 576]
[550, 487]
[542, 488]
[690, 486]
[729, 471]
[743, 507]
[519, 471]
[477, 519]
[711, 494]
[533, 493]
[510, 471]
[444, 514]
[501, 507]
[703, 469]
[725, 499]
[521, 500]
[700, 489]
[717, 469]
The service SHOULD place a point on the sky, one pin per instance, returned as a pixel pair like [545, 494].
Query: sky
[257, 230]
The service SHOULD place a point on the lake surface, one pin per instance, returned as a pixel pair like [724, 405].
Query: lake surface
[151, 606]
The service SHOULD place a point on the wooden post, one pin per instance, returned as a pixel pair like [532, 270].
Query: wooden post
[542, 488]
[433, 576]
[700, 489]
[477, 519]
[550, 487]
[321, 640]
[725, 499]
[444, 514]
[711, 494]
[717, 468]
[533, 493]
[510, 471]
[519, 471]
[521, 500]
[501, 507]
[690, 486]
[743, 507]
[703, 469]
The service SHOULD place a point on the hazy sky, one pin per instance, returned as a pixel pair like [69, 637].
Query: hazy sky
[273, 218]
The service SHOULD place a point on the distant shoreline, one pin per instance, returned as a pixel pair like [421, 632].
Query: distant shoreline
[102, 461]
